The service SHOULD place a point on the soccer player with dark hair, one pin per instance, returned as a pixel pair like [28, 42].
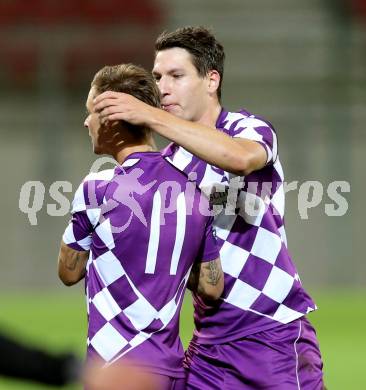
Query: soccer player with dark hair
[258, 336]
[136, 232]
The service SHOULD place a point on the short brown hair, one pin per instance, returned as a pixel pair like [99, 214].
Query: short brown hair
[207, 53]
[131, 79]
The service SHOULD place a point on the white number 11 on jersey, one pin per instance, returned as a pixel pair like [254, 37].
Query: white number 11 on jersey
[154, 239]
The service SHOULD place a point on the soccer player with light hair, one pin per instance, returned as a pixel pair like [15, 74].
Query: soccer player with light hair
[135, 234]
[258, 335]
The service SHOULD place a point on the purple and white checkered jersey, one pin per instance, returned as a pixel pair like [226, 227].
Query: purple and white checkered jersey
[262, 286]
[143, 224]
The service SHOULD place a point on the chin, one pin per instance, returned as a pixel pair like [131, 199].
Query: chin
[182, 114]
[178, 113]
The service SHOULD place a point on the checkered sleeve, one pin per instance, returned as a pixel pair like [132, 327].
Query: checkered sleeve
[260, 131]
[78, 232]
[208, 250]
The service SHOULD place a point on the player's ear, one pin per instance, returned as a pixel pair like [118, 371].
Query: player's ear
[213, 81]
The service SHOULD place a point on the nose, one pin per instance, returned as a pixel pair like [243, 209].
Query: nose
[164, 86]
[86, 121]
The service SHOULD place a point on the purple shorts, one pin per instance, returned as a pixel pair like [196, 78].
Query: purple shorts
[286, 357]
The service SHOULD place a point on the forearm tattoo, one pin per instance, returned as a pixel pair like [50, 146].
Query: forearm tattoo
[213, 273]
[71, 262]
[203, 275]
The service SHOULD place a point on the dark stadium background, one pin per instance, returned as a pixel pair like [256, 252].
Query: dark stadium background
[301, 64]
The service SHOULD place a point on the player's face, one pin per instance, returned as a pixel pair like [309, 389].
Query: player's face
[184, 92]
[92, 121]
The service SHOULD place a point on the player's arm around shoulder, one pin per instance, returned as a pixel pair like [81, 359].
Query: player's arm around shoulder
[71, 264]
[252, 157]
[239, 156]
[207, 280]
[234, 155]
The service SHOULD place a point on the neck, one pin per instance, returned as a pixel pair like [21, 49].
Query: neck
[126, 150]
[210, 116]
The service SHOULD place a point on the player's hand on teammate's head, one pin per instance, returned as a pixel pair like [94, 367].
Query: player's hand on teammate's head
[118, 376]
[119, 106]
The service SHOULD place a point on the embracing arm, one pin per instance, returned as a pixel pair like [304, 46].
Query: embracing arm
[207, 280]
[71, 264]
[238, 156]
